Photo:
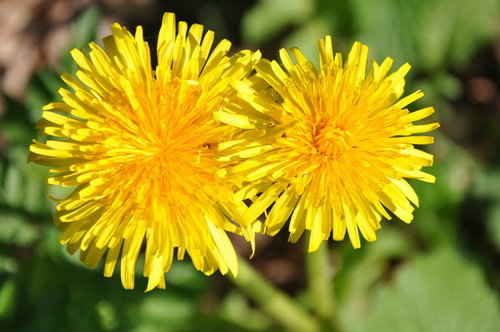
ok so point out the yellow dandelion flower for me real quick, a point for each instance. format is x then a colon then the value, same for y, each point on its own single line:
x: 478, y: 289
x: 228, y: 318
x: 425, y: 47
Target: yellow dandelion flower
x: 329, y: 149
x: 140, y: 146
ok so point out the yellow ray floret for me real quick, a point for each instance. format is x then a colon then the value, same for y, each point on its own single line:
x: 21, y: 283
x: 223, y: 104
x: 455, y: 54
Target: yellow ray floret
x: 139, y: 145
x: 330, y: 149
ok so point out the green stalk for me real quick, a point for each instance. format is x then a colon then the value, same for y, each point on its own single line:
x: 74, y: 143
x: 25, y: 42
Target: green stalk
x: 320, y: 280
x: 273, y: 301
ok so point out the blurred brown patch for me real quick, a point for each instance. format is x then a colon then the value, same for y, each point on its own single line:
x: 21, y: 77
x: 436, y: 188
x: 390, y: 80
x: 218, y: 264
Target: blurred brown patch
x: 481, y: 90
x: 32, y: 34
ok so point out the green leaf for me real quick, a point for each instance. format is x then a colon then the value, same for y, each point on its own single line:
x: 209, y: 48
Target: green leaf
x: 16, y: 125
x: 270, y: 17
x: 493, y: 225
x: 386, y: 29
x: 472, y: 31
x: 486, y: 184
x: 338, y: 15
x: 23, y: 187
x: 12, y: 191
x: 7, y: 298
x: 16, y: 230
x: 435, y: 292
x: 107, y: 315
x: 182, y: 274
x: 236, y: 309
x: 161, y: 310
x: 362, y: 269
x: 35, y: 197
x: 8, y: 264
x: 41, y: 90
x: 430, y: 34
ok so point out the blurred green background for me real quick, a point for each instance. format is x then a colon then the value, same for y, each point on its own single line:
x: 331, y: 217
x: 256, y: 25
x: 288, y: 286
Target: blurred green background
x: 440, y: 273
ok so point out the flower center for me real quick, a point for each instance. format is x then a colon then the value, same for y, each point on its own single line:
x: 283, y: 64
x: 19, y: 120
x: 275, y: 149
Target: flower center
x: 332, y: 140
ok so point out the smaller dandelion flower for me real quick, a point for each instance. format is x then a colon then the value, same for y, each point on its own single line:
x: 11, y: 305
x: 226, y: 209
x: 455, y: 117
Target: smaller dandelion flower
x: 328, y: 149
x: 140, y: 146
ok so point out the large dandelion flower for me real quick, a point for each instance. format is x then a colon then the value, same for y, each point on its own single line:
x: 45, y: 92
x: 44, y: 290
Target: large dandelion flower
x: 329, y: 149
x: 140, y: 146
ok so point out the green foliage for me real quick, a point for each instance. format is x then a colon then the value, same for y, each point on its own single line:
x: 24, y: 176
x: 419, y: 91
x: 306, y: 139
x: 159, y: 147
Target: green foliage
x: 236, y: 309
x: 84, y: 32
x: 362, y: 269
x: 386, y: 285
x: 494, y: 225
x: 436, y: 218
x: 429, y: 34
x: 486, y: 192
x: 42, y: 89
x: 263, y: 22
x: 435, y: 292
x: 7, y: 298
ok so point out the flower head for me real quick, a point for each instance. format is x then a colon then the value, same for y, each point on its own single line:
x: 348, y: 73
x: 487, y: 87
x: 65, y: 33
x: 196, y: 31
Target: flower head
x: 139, y: 143
x: 329, y: 148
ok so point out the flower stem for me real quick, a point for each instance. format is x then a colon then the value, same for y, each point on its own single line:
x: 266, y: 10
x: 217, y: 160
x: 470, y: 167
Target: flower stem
x: 320, y: 279
x: 273, y: 301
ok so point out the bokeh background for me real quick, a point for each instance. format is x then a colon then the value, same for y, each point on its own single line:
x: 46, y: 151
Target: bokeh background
x: 440, y: 273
